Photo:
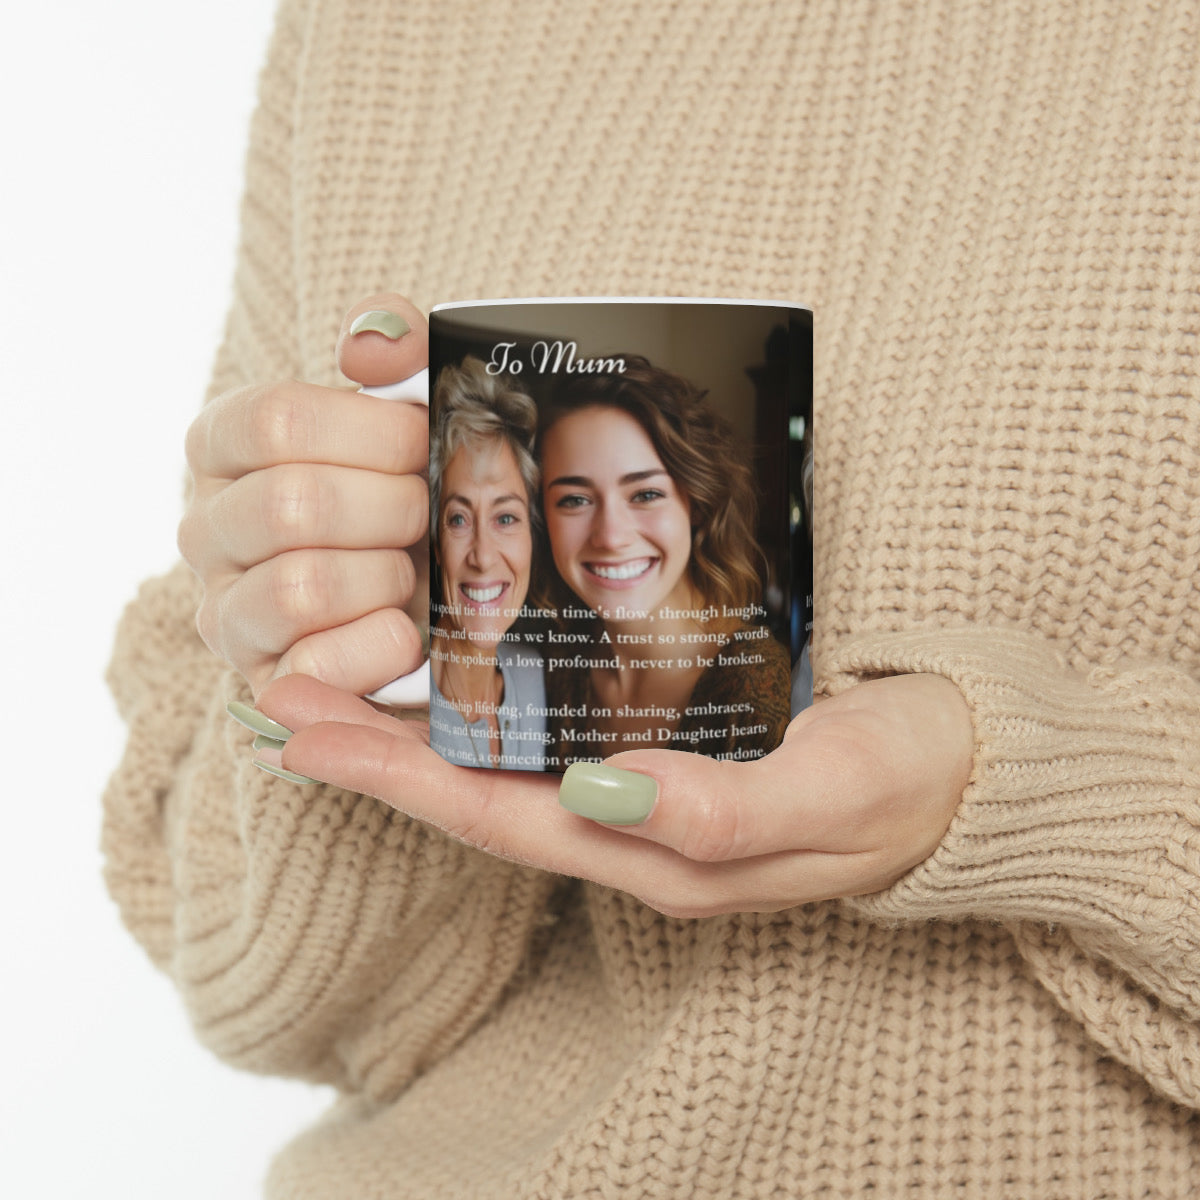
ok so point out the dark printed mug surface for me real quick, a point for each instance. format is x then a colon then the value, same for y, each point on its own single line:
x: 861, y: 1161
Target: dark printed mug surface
x: 619, y: 528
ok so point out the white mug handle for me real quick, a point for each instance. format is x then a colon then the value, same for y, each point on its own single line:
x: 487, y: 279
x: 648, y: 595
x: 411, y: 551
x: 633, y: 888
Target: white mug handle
x: 409, y: 691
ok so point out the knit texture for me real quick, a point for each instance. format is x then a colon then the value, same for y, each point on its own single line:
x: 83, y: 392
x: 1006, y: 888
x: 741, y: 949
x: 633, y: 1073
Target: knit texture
x: 995, y: 211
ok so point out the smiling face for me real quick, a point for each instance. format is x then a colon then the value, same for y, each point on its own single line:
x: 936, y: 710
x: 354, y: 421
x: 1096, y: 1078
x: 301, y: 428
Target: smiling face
x: 484, y: 543
x: 619, y: 525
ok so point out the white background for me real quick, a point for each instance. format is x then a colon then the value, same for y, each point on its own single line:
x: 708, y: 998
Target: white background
x: 122, y: 133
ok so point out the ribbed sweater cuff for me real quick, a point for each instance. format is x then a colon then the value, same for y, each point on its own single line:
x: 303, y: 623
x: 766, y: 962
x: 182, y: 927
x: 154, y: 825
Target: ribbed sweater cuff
x: 1084, y: 800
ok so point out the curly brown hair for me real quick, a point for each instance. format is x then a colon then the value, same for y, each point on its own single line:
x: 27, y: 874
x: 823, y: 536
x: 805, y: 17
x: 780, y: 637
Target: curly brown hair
x: 700, y: 452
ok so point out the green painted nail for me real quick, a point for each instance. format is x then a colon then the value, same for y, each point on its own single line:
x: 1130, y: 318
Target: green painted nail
x: 283, y: 773
x: 262, y: 742
x: 607, y: 794
x: 243, y: 714
x: 379, y: 320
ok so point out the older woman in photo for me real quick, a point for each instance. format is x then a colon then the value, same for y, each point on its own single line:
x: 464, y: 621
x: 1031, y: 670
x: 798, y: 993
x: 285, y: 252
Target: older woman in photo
x: 486, y: 699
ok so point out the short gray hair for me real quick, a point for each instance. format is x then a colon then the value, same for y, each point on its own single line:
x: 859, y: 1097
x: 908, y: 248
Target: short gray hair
x: 472, y: 406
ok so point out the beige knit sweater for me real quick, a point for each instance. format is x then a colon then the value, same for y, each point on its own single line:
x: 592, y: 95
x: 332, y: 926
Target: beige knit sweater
x: 995, y: 210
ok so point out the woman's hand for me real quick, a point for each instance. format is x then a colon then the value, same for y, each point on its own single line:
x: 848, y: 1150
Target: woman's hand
x: 862, y: 789
x: 303, y: 500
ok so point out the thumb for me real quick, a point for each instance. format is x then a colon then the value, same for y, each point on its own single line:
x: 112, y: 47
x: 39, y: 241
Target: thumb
x: 706, y: 809
x: 383, y: 340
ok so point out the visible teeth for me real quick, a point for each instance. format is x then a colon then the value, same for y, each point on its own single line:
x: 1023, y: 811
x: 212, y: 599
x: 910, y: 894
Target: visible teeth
x: 627, y: 570
x: 483, y: 595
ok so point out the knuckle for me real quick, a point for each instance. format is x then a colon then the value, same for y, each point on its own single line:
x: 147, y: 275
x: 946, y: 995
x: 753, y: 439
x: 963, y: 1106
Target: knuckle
x: 221, y: 624
x: 198, y: 540
x: 195, y: 444
x: 483, y: 826
x: 414, y: 510
x: 187, y: 536
x: 293, y: 502
x: 208, y: 624
x: 300, y: 590
x: 412, y: 438
x: 320, y: 656
x: 406, y: 576
x: 476, y: 830
x: 476, y: 833
x: 397, y: 638
x: 714, y: 829
x: 277, y: 426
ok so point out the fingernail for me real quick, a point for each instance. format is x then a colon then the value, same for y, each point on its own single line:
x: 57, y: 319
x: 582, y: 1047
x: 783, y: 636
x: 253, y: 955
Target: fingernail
x: 243, y: 714
x: 607, y: 794
x: 262, y: 742
x: 283, y: 773
x: 379, y: 320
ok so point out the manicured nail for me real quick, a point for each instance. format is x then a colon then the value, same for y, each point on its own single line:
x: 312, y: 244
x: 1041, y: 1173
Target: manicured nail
x: 379, y: 320
x: 283, y: 773
x: 243, y: 714
x: 607, y: 794
x: 262, y: 742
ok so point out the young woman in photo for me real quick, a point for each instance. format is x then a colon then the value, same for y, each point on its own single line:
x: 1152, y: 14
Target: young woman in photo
x: 649, y: 514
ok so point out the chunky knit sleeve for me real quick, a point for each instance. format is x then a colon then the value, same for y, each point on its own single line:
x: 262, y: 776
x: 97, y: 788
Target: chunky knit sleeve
x: 311, y: 932
x: 1080, y: 831
x: 1013, y: 502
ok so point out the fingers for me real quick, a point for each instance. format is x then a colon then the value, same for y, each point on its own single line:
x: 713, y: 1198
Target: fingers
x: 304, y: 499
x: 515, y: 815
x: 263, y: 612
x: 383, y: 339
x: 720, y: 837
x: 712, y: 810
x: 298, y: 701
x: 360, y: 656
x: 301, y: 506
x: 872, y: 776
x: 706, y: 809
x: 253, y: 428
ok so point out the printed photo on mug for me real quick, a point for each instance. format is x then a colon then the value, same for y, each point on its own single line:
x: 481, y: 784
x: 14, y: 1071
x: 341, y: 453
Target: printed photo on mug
x: 619, y: 530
